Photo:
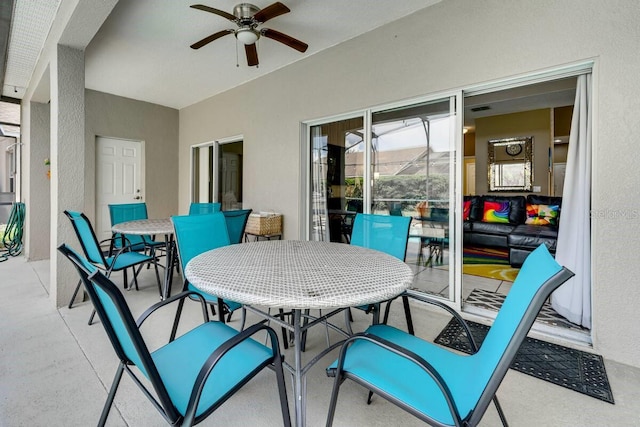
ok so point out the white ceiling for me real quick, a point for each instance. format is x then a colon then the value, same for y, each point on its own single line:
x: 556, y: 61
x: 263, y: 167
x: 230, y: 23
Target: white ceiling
x: 142, y: 51
x: 30, y: 25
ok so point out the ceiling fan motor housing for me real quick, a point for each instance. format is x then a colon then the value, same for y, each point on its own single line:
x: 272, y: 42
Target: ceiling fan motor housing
x: 244, y: 12
x: 248, y: 17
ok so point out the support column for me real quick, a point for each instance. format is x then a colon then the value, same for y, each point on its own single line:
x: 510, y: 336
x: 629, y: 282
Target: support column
x: 36, y: 186
x: 67, y: 163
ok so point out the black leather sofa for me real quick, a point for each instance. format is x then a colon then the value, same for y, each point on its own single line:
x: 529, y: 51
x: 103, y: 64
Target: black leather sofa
x: 516, y: 236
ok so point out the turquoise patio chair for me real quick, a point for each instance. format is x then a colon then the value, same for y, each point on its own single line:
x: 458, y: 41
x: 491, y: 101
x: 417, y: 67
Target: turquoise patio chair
x: 190, y: 377
x: 120, y: 260
x: 236, y: 223
x: 194, y: 235
x: 124, y: 212
x: 204, y: 208
x: 440, y: 386
x: 388, y: 234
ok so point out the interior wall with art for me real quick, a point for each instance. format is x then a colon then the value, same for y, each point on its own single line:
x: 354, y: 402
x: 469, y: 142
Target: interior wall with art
x: 536, y: 123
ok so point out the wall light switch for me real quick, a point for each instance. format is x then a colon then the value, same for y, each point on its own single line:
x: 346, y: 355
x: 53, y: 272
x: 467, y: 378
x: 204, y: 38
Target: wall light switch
x: 537, y: 189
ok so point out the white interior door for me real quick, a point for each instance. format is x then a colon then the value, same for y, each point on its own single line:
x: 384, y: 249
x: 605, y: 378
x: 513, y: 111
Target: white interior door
x: 118, y: 178
x: 470, y: 175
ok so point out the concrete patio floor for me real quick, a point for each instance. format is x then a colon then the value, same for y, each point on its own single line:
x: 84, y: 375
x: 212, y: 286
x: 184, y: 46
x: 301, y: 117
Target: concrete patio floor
x: 55, y: 370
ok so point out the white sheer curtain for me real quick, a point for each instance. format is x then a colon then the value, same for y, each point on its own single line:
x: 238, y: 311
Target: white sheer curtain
x: 573, y: 299
x: 319, y: 222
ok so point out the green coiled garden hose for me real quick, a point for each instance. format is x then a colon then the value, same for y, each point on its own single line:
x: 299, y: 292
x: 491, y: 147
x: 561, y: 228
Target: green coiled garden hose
x: 12, y: 238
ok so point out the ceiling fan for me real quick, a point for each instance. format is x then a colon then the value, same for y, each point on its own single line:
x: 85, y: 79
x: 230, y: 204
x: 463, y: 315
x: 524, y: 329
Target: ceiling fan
x: 248, y: 18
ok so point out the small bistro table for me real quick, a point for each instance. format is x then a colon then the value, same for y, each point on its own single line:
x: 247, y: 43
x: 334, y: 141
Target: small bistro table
x: 148, y: 227
x: 299, y: 275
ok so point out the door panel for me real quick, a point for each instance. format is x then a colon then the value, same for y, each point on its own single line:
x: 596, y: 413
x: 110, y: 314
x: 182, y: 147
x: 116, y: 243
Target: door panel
x: 118, y: 180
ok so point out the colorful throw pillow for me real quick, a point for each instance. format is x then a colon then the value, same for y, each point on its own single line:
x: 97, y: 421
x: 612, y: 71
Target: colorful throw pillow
x: 466, y: 210
x: 496, y: 212
x: 542, y: 214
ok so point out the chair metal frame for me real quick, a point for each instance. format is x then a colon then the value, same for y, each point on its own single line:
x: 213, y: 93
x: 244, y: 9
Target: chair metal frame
x: 108, y: 262
x: 217, y: 225
x: 541, y: 276
x: 124, y: 333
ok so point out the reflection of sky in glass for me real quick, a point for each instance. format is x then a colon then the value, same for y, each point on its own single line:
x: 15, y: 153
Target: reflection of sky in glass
x: 411, y: 134
x: 396, y: 135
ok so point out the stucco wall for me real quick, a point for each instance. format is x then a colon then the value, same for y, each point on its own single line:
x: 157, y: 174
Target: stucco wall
x: 38, y: 211
x: 457, y: 44
x: 117, y: 117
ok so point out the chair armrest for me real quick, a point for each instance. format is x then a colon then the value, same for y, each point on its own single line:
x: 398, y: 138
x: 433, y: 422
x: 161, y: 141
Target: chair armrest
x: 451, y: 311
x: 407, y: 354
x: 176, y: 297
x: 217, y: 355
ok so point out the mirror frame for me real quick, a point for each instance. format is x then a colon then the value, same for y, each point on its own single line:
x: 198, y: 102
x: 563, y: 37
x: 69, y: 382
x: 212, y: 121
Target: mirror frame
x: 501, y: 152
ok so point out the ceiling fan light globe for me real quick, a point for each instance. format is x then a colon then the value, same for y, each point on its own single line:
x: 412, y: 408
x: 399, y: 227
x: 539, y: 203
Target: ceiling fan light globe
x: 247, y: 36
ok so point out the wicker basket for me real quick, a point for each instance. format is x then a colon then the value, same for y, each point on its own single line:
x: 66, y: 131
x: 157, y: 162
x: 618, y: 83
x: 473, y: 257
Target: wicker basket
x: 263, y: 224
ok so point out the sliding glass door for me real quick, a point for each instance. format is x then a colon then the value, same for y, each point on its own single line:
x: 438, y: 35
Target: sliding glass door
x: 336, y: 178
x: 216, y: 173
x: 396, y: 160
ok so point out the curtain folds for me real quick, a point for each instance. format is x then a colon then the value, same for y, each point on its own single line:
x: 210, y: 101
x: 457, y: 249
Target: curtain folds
x: 573, y: 299
x: 320, y: 221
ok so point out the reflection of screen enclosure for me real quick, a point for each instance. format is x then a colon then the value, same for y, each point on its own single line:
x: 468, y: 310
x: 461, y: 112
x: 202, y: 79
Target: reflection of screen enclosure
x: 407, y: 154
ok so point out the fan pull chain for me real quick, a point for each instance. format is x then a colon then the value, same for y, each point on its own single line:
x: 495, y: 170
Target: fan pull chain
x: 237, y: 60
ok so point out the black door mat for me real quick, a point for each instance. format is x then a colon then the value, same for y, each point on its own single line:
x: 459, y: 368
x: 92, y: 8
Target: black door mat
x: 574, y: 369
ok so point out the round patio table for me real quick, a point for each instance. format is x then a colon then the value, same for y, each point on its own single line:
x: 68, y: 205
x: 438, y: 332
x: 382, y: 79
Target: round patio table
x: 299, y: 275
x: 148, y: 227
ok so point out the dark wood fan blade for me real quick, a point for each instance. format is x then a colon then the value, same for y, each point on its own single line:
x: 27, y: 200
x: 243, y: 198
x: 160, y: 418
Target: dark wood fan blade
x: 285, y: 39
x: 209, y: 39
x: 218, y: 12
x: 271, y: 11
x: 252, y: 54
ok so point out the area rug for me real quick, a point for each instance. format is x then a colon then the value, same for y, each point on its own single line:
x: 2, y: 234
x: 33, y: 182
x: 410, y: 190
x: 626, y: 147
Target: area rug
x: 492, y: 301
x: 488, y: 262
x: 573, y: 369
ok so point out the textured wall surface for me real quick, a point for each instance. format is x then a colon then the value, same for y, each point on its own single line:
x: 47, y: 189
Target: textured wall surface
x: 455, y: 45
x: 157, y: 126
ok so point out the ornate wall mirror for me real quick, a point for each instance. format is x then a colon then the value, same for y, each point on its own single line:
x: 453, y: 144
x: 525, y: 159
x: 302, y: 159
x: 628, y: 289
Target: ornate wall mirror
x: 510, y: 164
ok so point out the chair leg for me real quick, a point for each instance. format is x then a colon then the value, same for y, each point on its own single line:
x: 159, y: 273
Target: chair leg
x: 135, y: 277
x: 112, y: 394
x: 174, y: 329
x: 282, y: 391
x: 285, y: 332
x: 407, y: 314
x: 347, y: 320
x: 243, y: 319
x: 155, y: 265
x: 93, y: 314
x: 213, y: 313
x: 503, y: 419
x: 75, y: 293
x: 334, y: 399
